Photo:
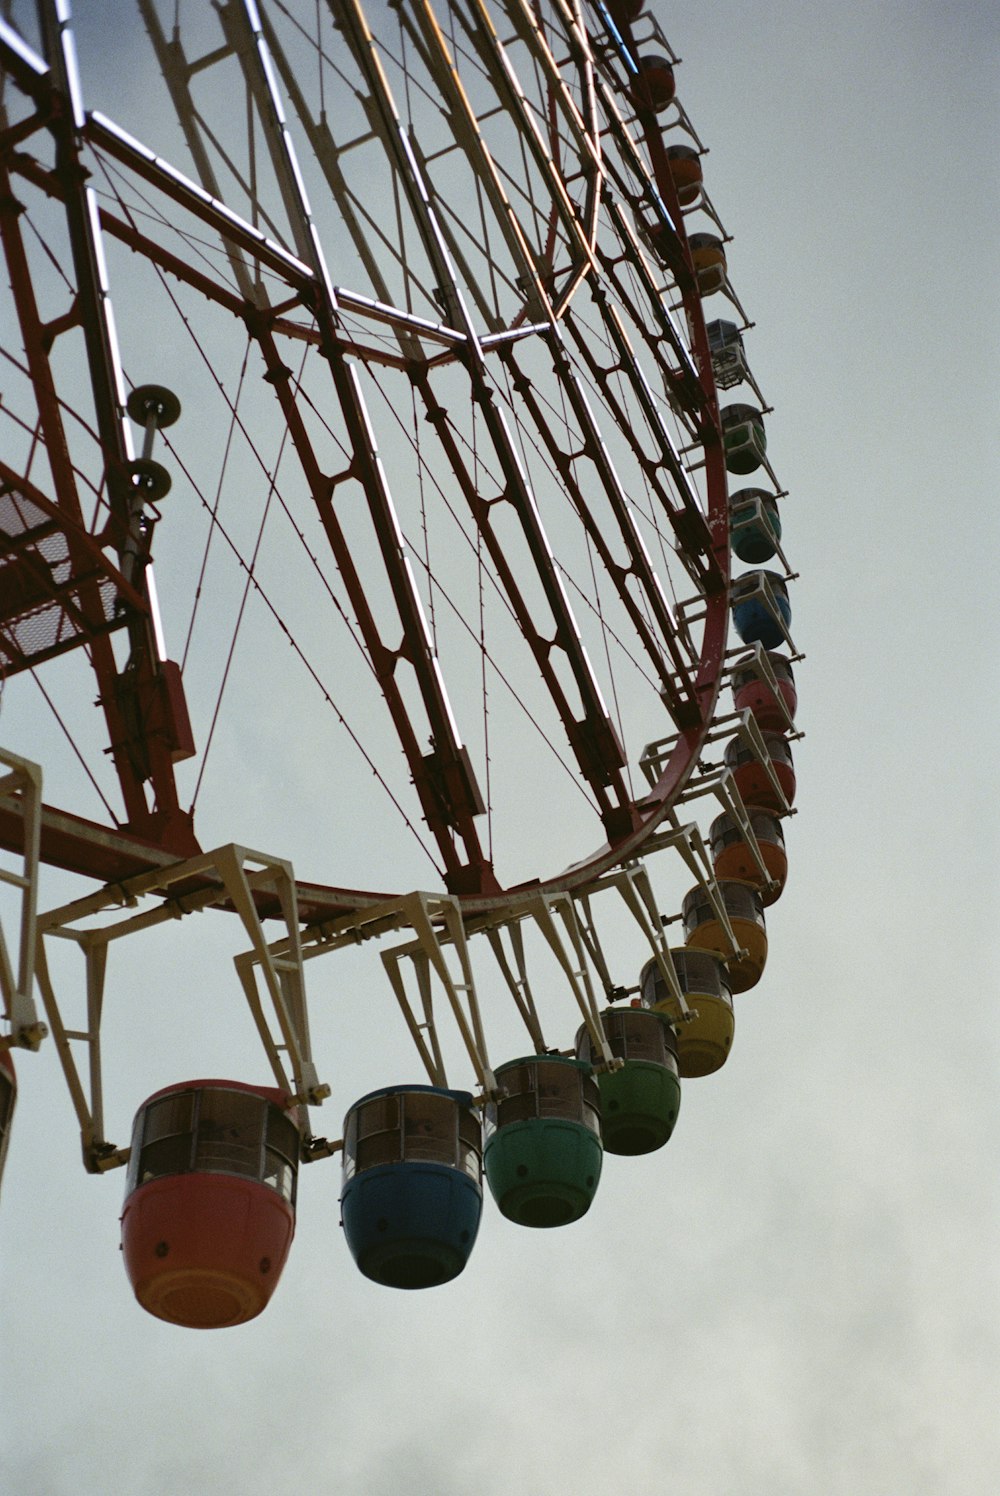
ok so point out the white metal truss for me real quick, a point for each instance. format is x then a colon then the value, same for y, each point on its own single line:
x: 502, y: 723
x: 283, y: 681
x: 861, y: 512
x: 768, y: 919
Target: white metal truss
x: 571, y: 952
x: 21, y: 787
x: 257, y: 886
x: 719, y: 780
x: 635, y: 889
x: 436, y: 922
x: 439, y: 953
x: 438, y: 950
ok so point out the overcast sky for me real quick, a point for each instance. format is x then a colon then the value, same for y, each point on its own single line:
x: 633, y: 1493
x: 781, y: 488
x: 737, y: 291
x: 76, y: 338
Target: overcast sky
x: 799, y: 1296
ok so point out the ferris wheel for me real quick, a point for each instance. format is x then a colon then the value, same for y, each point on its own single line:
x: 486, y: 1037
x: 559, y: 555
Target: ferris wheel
x: 363, y: 459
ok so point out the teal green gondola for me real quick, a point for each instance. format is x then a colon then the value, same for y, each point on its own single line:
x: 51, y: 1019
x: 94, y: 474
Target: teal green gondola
x: 543, y: 1140
x: 639, y: 1101
x: 413, y: 1195
x: 754, y: 524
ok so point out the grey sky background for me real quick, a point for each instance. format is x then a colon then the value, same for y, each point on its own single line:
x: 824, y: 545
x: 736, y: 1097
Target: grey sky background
x: 799, y: 1295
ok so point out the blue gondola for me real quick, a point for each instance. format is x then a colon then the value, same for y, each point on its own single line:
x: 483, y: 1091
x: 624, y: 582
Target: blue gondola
x: 762, y: 613
x: 413, y: 1195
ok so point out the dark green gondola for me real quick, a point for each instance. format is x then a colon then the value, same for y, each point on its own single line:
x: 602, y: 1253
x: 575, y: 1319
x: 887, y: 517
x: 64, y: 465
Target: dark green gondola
x: 543, y: 1140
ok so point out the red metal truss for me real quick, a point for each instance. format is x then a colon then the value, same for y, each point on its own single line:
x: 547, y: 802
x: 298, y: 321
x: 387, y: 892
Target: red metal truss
x: 63, y: 586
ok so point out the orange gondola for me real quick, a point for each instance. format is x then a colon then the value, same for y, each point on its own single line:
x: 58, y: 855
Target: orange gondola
x: 704, y: 930
x: 755, y: 777
x: 733, y: 859
x: 685, y: 169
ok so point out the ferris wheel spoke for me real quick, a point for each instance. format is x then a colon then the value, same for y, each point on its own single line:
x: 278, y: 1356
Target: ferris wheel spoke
x: 443, y: 777
x: 628, y: 274
x: 359, y: 223
x: 583, y: 131
x: 636, y: 565
x: 133, y: 695
x: 245, y: 36
x: 469, y: 138
x: 504, y: 76
x: 104, y: 135
x: 660, y: 459
x: 403, y: 157
x: 463, y: 244
x: 177, y: 73
x: 588, y: 727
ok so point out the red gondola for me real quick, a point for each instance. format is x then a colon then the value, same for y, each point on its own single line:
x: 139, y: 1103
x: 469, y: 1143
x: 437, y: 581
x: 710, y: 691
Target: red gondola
x: 752, y: 691
x: 210, y: 1201
x: 624, y: 12
x: 654, y: 84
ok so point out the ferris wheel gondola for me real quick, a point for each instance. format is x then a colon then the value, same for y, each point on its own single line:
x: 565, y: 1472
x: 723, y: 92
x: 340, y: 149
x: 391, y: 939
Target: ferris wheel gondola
x: 428, y: 510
